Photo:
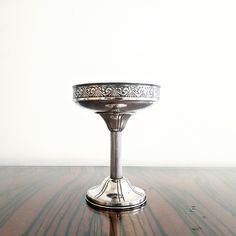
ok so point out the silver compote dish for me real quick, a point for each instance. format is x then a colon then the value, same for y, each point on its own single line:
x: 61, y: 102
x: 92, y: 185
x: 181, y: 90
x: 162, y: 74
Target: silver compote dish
x: 115, y: 103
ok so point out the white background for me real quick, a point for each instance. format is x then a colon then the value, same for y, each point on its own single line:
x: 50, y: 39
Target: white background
x: 186, y: 46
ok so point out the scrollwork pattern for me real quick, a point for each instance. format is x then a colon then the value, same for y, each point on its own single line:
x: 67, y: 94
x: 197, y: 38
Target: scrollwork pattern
x: 115, y: 90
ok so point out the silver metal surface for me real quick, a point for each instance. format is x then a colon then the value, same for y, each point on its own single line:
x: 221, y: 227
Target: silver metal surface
x: 120, y: 97
x: 116, y: 162
x: 115, y: 103
x: 115, y: 194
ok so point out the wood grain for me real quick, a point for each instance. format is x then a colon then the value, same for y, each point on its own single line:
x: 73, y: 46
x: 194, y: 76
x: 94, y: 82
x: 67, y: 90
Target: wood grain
x: 181, y: 202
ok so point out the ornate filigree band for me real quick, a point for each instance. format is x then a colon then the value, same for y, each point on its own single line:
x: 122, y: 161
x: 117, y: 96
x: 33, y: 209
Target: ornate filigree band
x: 119, y: 90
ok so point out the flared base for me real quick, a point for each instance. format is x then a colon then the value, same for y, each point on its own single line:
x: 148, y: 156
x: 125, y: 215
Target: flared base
x: 116, y: 194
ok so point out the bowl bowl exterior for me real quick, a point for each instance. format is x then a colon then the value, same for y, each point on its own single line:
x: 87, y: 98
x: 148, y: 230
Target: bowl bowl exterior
x: 116, y: 97
x: 121, y: 91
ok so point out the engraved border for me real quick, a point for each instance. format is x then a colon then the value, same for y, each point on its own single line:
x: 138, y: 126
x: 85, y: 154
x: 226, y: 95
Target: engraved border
x: 105, y: 91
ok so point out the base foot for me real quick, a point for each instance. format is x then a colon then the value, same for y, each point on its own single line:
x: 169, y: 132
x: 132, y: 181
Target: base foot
x: 116, y: 194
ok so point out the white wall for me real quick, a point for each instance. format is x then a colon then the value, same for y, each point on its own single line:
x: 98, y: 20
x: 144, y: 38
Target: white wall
x: 187, y: 46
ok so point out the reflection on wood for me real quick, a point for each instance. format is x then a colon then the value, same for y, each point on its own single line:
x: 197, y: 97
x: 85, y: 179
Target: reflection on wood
x: 181, y: 201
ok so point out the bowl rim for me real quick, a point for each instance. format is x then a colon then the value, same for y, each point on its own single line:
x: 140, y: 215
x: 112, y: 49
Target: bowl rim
x: 116, y: 83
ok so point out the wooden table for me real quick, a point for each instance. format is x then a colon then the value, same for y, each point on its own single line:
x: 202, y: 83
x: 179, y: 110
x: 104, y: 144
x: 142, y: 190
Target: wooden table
x: 181, y: 202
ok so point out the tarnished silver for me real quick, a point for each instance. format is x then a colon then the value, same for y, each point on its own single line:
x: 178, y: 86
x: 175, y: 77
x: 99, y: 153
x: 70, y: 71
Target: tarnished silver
x: 115, y: 103
x: 116, y: 162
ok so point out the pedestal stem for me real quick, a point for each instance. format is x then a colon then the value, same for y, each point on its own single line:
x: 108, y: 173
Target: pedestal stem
x: 116, y: 162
